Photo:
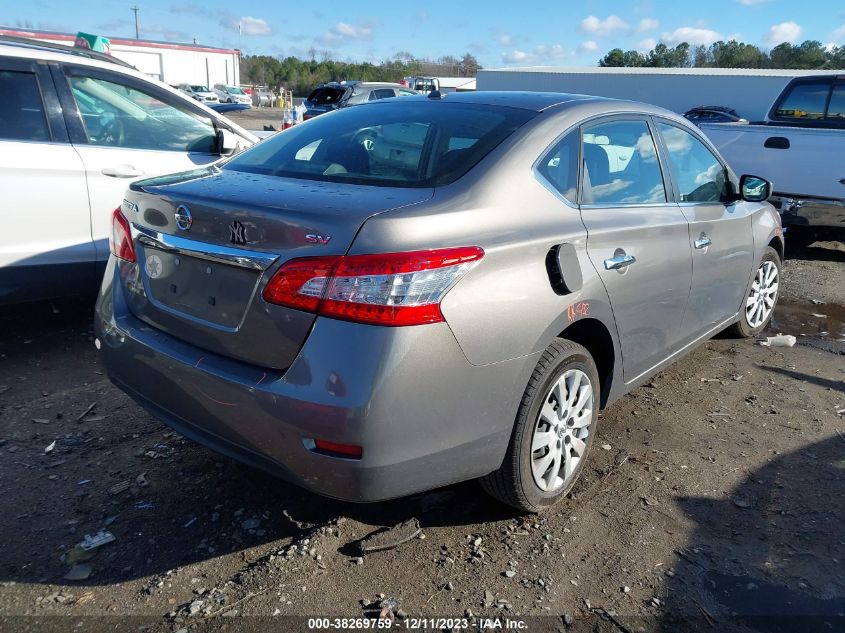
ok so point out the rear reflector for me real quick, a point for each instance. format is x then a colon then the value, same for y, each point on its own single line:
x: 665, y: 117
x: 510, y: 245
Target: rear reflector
x: 120, y: 240
x: 392, y: 289
x: 341, y: 450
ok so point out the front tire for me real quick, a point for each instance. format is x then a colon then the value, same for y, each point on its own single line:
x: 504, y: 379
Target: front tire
x: 759, y: 304
x: 553, y: 432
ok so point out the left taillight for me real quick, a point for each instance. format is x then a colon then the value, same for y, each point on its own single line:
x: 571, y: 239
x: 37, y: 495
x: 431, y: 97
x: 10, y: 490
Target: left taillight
x: 393, y: 289
x: 120, y: 241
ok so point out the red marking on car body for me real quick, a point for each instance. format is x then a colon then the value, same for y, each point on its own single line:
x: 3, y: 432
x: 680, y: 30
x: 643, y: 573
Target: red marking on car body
x: 578, y: 310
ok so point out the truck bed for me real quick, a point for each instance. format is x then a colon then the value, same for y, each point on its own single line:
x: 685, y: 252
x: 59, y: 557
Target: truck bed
x: 801, y: 162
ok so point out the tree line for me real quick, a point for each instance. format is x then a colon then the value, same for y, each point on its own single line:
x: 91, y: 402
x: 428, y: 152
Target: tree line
x: 810, y: 55
x: 303, y: 75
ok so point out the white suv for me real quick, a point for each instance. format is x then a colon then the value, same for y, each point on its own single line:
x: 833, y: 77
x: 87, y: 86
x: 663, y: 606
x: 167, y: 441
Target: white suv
x: 231, y: 94
x: 199, y: 92
x: 75, y: 128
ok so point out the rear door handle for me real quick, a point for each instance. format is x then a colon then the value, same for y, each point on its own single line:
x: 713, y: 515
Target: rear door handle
x: 620, y: 261
x: 122, y: 171
x: 702, y: 242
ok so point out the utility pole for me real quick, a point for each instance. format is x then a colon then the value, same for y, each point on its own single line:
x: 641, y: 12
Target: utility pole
x: 135, y: 11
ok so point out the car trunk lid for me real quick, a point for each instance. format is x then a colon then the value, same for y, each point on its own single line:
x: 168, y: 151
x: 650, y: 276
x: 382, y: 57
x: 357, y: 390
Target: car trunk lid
x: 206, y: 246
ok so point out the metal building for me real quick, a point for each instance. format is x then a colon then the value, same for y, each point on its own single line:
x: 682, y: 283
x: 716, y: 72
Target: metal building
x: 750, y: 92
x: 170, y: 62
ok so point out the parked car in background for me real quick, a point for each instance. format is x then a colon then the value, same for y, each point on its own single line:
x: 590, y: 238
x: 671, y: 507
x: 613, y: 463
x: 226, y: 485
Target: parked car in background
x: 714, y: 114
x: 199, y: 92
x: 223, y: 108
x: 334, y: 95
x: 387, y: 323
x: 231, y: 94
x: 263, y: 98
x: 75, y: 128
x: 800, y: 147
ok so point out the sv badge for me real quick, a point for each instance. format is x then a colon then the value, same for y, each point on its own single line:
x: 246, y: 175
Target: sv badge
x: 313, y: 238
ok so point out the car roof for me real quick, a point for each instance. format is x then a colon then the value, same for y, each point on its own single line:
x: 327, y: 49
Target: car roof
x: 36, y: 49
x: 535, y: 101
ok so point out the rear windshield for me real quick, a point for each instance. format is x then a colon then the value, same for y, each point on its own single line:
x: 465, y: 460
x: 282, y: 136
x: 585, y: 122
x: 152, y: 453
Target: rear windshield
x: 322, y: 96
x: 804, y: 101
x: 422, y: 144
x: 199, y: 88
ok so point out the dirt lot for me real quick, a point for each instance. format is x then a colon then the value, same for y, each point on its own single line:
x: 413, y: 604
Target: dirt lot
x: 714, y: 500
x: 257, y: 118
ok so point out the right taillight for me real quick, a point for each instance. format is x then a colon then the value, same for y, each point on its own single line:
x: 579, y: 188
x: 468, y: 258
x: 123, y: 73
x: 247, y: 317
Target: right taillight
x: 120, y: 241
x: 393, y: 289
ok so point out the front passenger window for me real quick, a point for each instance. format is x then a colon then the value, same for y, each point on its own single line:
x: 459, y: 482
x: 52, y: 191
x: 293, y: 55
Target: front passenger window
x: 701, y: 177
x: 118, y: 115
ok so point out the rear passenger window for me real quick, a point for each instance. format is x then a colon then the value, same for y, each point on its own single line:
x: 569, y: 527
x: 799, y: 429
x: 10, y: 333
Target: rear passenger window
x: 21, y: 110
x: 560, y: 167
x: 804, y: 101
x: 699, y: 174
x: 620, y: 161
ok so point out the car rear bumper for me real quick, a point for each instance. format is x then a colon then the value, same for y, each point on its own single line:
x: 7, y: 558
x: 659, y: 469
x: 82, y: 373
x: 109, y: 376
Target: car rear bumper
x: 424, y: 416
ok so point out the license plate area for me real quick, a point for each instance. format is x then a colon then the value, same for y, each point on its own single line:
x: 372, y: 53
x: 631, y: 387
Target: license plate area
x: 209, y: 291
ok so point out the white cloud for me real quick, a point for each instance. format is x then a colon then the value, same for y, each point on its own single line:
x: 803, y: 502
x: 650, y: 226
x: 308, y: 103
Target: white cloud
x: 784, y: 32
x: 254, y: 26
x: 518, y: 57
x: 505, y: 39
x: 588, y: 46
x: 540, y: 53
x: 555, y: 51
x: 840, y: 33
x: 691, y: 35
x: 648, y: 24
x: 592, y: 25
x: 343, y: 32
x: 228, y: 20
x: 644, y: 46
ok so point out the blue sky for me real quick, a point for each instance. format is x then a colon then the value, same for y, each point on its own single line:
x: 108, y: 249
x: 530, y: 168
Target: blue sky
x: 498, y: 33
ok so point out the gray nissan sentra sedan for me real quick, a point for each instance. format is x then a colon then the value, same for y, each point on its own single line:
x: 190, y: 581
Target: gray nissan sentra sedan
x: 416, y: 292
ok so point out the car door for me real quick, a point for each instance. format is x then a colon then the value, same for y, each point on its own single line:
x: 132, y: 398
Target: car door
x: 125, y: 128
x: 719, y: 229
x: 637, y: 238
x: 45, y: 222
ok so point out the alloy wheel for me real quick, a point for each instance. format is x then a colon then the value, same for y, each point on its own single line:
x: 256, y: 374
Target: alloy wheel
x: 559, y: 442
x: 764, y: 291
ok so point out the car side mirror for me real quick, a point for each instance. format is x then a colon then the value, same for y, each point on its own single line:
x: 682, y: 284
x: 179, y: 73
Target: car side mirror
x: 754, y: 188
x: 227, y: 142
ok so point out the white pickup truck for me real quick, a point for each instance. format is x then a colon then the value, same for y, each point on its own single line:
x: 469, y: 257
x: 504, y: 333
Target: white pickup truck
x: 799, y: 148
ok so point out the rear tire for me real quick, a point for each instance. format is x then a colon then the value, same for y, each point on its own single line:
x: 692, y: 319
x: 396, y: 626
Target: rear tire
x: 762, y: 297
x: 553, y: 432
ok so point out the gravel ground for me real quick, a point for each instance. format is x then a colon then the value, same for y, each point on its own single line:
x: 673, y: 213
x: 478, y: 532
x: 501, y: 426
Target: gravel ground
x: 713, y: 501
x: 257, y: 118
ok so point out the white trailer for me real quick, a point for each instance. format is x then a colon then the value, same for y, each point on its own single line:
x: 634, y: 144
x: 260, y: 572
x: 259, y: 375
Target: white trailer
x: 169, y: 62
x: 750, y: 92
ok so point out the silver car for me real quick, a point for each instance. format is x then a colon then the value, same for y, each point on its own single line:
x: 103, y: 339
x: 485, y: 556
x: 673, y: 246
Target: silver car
x: 421, y: 291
